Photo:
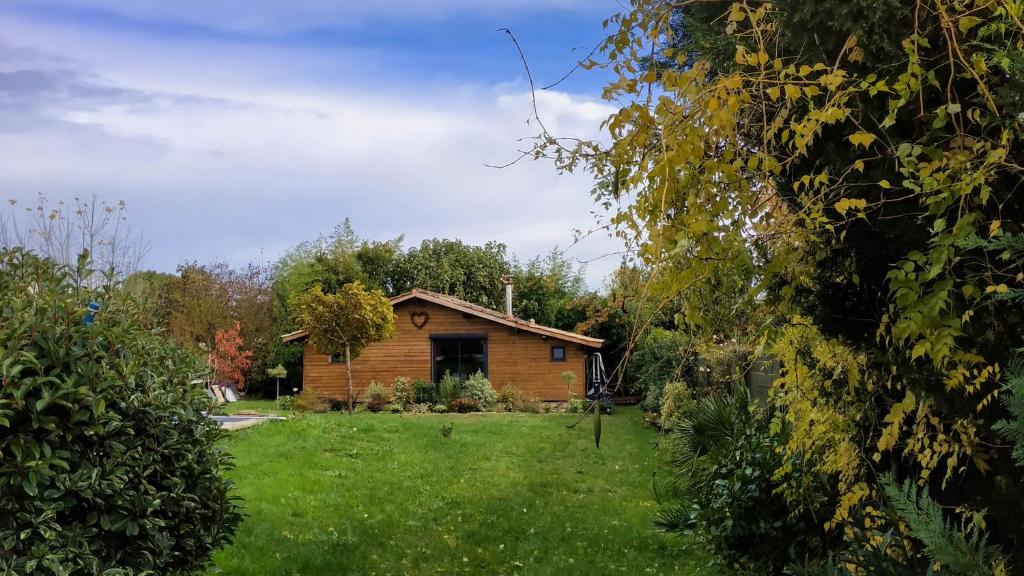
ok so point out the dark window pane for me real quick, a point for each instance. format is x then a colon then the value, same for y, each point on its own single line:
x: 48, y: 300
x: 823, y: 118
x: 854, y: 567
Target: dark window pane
x: 558, y: 353
x: 460, y: 357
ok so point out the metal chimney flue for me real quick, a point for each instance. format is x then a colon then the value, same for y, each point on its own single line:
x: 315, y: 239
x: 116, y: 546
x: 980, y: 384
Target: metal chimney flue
x: 507, y: 281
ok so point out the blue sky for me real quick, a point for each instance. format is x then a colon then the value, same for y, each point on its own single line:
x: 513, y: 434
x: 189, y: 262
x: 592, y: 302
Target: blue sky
x: 235, y: 129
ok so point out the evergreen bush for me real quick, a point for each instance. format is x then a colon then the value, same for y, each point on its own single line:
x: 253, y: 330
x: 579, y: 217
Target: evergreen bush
x: 110, y: 465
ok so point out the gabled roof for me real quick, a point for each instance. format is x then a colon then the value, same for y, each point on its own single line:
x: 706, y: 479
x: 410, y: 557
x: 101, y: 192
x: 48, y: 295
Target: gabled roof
x: 480, y: 312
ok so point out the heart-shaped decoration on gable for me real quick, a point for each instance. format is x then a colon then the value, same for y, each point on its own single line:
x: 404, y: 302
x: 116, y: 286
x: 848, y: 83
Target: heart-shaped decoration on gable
x: 419, y: 318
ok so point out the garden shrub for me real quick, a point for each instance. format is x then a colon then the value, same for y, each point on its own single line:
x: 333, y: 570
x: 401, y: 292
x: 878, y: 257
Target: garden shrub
x: 439, y: 408
x: 674, y: 399
x: 287, y: 403
x: 424, y: 392
x: 727, y: 486
x: 479, y: 388
x: 110, y: 465
x: 577, y: 405
x: 310, y: 400
x: 376, y: 396
x: 401, y: 392
x: 463, y: 405
x: 662, y: 356
x: 510, y: 399
x: 450, y: 388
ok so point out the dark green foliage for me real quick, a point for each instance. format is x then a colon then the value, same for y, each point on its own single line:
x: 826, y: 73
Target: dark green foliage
x: 109, y: 465
x: 424, y: 392
x: 450, y: 267
x: 725, y: 458
x: 1013, y: 398
x: 663, y: 356
x: 449, y: 388
x: 545, y: 290
x: 943, y: 543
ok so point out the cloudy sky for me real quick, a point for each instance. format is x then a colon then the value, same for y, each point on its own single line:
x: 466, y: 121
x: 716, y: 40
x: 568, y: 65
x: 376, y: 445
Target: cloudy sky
x: 235, y: 129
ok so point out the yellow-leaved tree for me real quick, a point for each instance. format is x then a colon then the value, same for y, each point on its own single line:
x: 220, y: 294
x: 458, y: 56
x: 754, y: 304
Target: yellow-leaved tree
x: 344, y: 322
x: 861, y: 157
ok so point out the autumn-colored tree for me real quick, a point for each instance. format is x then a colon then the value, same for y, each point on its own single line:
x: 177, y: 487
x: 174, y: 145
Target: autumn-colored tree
x: 847, y: 160
x: 229, y: 359
x: 345, y: 322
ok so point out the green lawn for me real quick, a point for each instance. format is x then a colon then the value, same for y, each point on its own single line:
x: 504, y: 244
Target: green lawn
x: 380, y: 494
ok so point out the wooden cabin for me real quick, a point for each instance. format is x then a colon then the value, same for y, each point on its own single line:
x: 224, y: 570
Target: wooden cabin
x: 435, y: 333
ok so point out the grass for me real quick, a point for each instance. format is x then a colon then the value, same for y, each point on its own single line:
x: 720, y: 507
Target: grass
x: 383, y: 494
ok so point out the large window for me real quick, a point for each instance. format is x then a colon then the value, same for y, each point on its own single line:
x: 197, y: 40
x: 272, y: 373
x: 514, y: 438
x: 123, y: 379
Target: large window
x: 461, y: 355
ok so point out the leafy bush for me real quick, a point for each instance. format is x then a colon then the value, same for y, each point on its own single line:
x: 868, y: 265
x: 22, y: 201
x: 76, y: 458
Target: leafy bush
x: 109, y: 464
x: 675, y: 398
x: 662, y: 356
x: 287, y: 403
x: 463, y: 405
x: 393, y: 408
x: 577, y: 405
x: 376, y: 396
x: 401, y: 393
x: 510, y: 399
x: 446, y: 430
x: 479, y: 388
x: 310, y: 400
x: 450, y: 388
x: 424, y: 392
x: 726, y: 459
x: 439, y: 408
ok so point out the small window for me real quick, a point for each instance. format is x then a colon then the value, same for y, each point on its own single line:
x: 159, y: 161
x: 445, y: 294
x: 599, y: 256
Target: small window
x: 336, y: 359
x: 558, y: 353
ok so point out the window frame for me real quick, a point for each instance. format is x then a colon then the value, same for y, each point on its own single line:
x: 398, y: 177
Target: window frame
x: 459, y: 336
x: 558, y: 347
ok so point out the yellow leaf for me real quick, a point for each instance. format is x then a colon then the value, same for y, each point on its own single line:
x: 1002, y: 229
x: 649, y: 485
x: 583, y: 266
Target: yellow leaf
x: 999, y: 288
x: 968, y: 22
x: 859, y: 166
x: 862, y: 139
x: 845, y: 204
x: 993, y: 228
x: 792, y: 92
x: 885, y: 184
x: 773, y: 93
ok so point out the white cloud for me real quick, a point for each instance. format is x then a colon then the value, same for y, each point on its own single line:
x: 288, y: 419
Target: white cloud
x: 217, y: 165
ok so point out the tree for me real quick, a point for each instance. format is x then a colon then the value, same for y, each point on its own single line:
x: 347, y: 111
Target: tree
x: 545, y: 288
x: 346, y: 322
x: 842, y: 158
x: 450, y: 267
x: 229, y: 359
x: 199, y: 298
x: 277, y: 372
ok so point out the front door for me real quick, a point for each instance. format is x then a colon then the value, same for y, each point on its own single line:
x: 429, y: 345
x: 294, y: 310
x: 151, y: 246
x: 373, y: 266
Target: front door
x: 459, y: 355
